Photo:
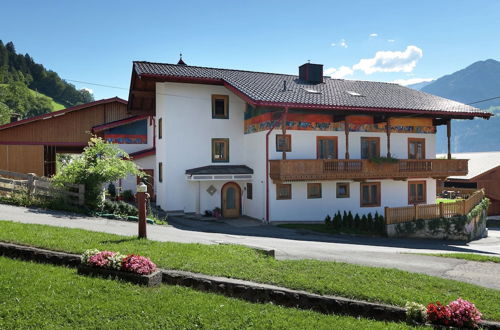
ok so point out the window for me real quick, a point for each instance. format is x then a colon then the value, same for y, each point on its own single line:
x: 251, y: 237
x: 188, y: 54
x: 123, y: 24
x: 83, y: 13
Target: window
x: 249, y: 191
x: 284, y: 142
x: 370, y: 194
x: 370, y: 147
x: 416, y: 192
x: 284, y: 191
x: 313, y: 190
x: 416, y: 148
x: 220, y: 106
x: 220, y: 150
x: 160, y: 128
x: 326, y: 147
x: 160, y: 172
x: 342, y: 190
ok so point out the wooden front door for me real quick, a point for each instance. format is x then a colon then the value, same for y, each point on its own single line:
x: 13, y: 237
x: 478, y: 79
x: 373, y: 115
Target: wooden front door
x: 231, y: 200
x: 149, y: 181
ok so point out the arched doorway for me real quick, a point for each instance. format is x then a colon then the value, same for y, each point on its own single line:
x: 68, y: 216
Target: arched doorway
x: 231, y: 200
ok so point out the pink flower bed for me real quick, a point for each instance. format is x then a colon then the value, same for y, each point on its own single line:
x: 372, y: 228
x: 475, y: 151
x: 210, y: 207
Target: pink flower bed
x: 464, y: 314
x: 138, y: 264
x: 114, y: 260
x: 459, y: 313
x: 101, y: 259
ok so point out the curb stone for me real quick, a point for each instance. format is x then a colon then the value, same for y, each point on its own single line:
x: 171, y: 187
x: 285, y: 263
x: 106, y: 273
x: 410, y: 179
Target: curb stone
x: 246, y: 290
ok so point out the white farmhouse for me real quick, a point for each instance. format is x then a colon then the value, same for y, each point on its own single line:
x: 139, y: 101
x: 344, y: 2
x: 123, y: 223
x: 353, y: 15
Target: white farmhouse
x: 281, y: 147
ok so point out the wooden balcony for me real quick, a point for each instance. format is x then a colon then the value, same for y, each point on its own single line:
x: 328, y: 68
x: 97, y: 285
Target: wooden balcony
x: 363, y: 169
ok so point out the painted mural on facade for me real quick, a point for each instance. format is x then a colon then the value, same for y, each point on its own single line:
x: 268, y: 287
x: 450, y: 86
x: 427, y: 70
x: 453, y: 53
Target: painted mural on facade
x: 257, y: 119
x: 133, y: 133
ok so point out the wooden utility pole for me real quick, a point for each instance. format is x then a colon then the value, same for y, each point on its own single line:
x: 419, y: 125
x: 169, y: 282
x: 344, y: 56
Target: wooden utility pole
x: 141, y: 205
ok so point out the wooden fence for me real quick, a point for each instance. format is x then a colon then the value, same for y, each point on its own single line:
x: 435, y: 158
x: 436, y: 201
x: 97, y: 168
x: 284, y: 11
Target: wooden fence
x: 32, y: 185
x: 395, y: 215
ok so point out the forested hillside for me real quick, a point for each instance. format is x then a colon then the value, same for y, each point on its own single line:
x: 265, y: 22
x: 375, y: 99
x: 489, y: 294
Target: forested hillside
x: 28, y: 89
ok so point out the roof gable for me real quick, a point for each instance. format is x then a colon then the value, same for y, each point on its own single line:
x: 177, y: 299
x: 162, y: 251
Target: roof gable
x: 61, y: 112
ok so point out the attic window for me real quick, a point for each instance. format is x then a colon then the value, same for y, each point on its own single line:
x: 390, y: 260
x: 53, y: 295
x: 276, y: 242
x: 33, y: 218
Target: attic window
x: 354, y: 93
x: 310, y: 90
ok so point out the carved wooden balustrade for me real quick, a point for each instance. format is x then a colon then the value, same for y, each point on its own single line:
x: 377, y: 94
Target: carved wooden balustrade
x: 363, y: 169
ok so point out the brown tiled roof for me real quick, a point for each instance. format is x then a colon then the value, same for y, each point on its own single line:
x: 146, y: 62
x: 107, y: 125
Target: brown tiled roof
x: 262, y: 87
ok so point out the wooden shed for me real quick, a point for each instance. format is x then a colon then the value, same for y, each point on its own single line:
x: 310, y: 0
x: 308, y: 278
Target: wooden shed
x: 484, y: 172
x: 31, y: 145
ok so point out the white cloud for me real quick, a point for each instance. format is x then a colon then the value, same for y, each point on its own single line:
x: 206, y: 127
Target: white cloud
x: 374, y: 35
x: 88, y: 90
x: 391, y: 61
x: 411, y: 81
x: 342, y: 43
x: 339, y: 73
x: 391, y: 40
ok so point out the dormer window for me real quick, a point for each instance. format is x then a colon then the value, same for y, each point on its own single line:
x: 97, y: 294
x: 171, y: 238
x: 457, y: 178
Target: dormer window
x: 220, y: 106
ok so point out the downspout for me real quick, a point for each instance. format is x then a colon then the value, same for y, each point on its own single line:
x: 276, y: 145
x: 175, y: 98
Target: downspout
x: 276, y: 123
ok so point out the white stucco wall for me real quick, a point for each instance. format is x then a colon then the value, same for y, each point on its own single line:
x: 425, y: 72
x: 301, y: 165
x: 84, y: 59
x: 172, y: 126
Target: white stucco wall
x: 300, y: 208
x: 188, y: 130
x: 130, y: 182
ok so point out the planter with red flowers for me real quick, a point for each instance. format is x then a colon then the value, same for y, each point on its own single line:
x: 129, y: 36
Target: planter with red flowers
x: 458, y: 314
x: 132, y: 268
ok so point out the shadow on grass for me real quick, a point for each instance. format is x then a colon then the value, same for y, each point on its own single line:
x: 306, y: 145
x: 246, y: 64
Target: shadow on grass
x: 123, y: 240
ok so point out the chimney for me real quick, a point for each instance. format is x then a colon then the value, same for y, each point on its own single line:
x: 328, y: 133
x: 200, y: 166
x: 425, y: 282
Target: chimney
x: 311, y: 73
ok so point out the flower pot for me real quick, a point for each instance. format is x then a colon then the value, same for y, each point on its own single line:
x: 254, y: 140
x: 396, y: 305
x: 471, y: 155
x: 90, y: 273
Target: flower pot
x: 153, y: 279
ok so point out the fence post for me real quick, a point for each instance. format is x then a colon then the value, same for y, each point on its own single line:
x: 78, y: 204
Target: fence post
x: 463, y: 207
x: 386, y: 215
x: 441, y: 209
x: 81, y: 194
x: 415, y: 213
x: 31, y: 184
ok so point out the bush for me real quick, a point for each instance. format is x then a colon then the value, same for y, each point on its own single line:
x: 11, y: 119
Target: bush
x: 112, y: 190
x: 328, y: 220
x: 128, y: 195
x: 100, y: 163
x: 120, y: 208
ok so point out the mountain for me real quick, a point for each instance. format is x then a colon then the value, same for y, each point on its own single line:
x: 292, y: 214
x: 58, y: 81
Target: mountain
x: 478, y: 81
x: 28, y: 89
x: 419, y: 86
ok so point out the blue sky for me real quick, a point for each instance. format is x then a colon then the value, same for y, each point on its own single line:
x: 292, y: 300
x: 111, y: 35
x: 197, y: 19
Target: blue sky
x: 96, y: 41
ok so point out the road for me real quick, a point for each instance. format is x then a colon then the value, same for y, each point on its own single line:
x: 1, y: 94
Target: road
x: 298, y: 244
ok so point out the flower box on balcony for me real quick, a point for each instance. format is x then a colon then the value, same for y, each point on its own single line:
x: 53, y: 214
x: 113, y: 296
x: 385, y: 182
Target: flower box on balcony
x: 153, y: 279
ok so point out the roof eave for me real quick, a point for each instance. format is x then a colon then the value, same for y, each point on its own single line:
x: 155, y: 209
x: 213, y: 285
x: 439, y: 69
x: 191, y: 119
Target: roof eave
x: 250, y: 100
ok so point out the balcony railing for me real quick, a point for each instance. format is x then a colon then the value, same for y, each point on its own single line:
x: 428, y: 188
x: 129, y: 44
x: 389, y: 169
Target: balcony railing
x: 363, y: 169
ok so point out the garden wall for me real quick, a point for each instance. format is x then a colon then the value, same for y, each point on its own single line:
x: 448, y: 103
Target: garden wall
x: 460, y: 228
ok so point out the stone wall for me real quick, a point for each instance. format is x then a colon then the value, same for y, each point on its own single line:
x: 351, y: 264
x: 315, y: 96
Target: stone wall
x: 459, y: 228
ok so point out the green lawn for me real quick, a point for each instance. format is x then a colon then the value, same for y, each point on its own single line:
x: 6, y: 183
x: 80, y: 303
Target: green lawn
x: 466, y: 256
x: 34, y: 296
x: 369, y: 283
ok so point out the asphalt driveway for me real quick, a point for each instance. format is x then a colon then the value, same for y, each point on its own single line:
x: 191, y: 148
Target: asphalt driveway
x: 297, y: 244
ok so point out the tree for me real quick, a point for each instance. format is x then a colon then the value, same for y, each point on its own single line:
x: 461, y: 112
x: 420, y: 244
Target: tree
x: 100, y: 163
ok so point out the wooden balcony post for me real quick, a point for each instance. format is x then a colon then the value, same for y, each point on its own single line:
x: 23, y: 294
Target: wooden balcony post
x: 388, y: 131
x: 448, y: 134
x: 346, y: 130
x: 283, y: 129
